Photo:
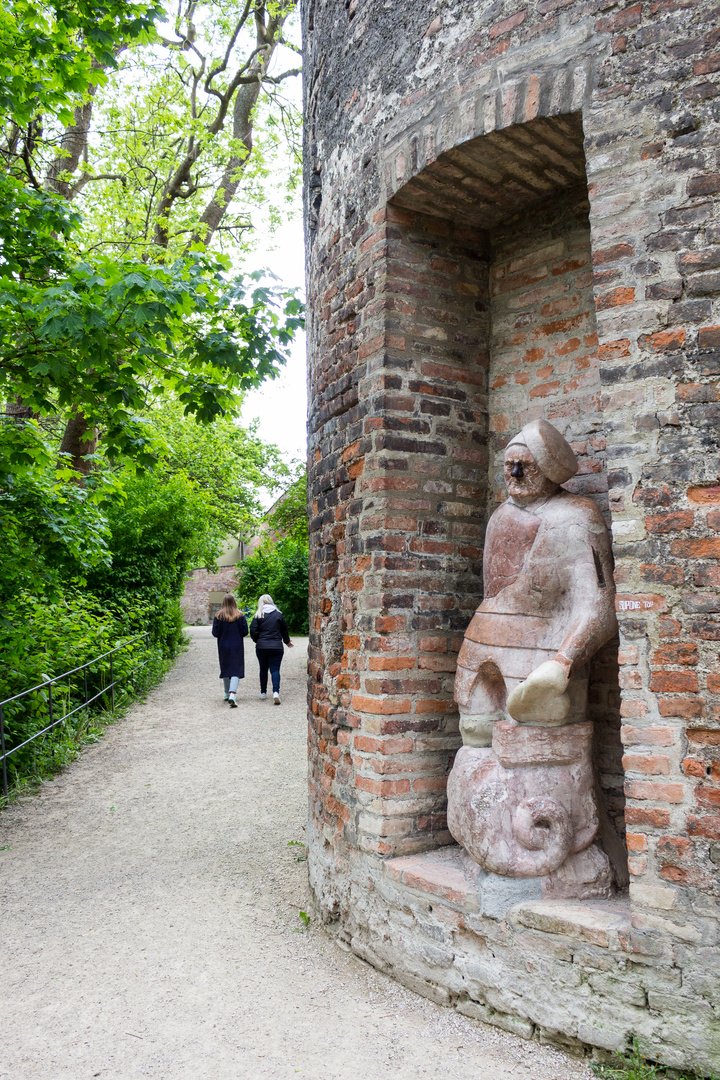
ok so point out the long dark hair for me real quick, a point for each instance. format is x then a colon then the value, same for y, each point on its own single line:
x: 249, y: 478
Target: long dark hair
x: 229, y: 612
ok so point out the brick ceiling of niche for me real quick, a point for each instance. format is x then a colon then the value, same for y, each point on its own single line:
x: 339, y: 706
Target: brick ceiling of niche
x: 496, y: 175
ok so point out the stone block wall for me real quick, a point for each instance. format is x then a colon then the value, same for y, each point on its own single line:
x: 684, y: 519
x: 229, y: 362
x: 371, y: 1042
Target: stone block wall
x: 447, y: 147
x: 196, y: 600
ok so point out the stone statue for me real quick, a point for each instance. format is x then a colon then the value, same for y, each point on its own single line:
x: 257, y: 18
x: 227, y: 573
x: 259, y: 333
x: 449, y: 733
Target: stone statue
x: 521, y: 792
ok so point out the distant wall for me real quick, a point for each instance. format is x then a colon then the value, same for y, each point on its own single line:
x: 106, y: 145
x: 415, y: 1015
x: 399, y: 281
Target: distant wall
x: 196, y: 602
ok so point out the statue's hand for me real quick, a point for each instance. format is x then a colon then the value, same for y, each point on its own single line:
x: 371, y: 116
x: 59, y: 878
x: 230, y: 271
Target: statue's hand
x: 541, y: 696
x: 477, y: 728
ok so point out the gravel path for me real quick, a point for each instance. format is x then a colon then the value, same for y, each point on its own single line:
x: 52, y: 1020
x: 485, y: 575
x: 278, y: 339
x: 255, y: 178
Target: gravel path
x: 149, y: 911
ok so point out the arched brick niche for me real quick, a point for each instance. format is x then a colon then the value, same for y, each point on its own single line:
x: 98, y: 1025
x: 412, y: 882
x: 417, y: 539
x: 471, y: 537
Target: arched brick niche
x: 482, y: 277
x: 468, y: 170
x: 515, y: 203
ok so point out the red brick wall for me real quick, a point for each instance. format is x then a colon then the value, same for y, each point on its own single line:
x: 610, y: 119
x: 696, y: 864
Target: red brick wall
x: 394, y: 104
x: 544, y: 337
x: 396, y: 566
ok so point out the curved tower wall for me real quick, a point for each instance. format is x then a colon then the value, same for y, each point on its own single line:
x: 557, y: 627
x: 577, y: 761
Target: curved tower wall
x: 511, y: 211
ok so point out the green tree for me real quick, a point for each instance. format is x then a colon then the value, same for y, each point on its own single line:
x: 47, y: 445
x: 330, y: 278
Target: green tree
x: 289, y: 516
x: 158, y: 529
x: 51, y: 533
x: 281, y: 565
x: 53, y: 56
x: 185, y: 156
x: 105, y: 341
x: 280, y: 569
x: 230, y: 464
x: 96, y: 324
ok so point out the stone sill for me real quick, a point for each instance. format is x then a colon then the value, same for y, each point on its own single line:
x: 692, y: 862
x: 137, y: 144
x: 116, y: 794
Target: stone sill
x: 450, y: 876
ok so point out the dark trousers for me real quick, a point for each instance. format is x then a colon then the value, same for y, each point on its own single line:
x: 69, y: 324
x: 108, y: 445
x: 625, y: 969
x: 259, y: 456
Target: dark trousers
x: 269, y: 660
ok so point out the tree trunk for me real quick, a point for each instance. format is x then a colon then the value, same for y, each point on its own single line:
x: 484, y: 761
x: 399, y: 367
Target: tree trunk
x: 18, y: 410
x: 73, y: 144
x: 80, y: 439
x: 224, y: 193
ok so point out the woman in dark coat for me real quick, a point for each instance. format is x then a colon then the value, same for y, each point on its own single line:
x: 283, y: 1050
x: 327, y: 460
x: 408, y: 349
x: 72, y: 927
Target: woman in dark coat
x: 268, y: 630
x: 230, y: 627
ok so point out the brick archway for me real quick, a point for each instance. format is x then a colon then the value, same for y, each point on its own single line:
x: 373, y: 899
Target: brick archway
x: 486, y: 319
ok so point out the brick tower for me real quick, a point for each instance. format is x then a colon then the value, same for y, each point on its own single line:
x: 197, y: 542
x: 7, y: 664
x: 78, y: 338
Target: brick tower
x: 512, y: 212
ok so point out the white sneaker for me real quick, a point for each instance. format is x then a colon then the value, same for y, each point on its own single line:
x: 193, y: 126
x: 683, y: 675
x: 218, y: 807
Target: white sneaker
x: 233, y: 702
x: 276, y: 698
x: 263, y: 696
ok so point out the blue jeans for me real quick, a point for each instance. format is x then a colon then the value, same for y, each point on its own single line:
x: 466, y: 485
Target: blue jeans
x: 231, y: 685
x: 269, y: 659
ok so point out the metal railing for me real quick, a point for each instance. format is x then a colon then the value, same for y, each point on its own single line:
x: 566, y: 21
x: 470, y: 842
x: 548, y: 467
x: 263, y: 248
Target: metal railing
x: 48, y: 683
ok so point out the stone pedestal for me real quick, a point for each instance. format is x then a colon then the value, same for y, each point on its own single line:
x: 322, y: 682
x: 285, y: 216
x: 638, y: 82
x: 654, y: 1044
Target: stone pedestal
x: 525, y: 807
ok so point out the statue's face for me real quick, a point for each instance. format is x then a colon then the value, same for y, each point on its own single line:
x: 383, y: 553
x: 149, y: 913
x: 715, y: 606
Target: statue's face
x: 523, y: 479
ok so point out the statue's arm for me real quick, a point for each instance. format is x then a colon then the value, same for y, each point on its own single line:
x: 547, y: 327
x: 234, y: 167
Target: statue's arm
x: 489, y: 588
x: 591, y: 594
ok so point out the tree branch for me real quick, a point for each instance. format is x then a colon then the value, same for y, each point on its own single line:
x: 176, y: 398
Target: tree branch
x: 231, y: 45
x: 275, y: 79
x: 87, y: 178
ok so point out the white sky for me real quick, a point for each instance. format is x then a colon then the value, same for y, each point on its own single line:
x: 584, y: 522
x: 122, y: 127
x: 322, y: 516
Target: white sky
x: 281, y: 404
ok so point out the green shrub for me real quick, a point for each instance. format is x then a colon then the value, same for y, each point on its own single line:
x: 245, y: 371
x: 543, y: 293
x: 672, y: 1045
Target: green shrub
x: 158, y: 530
x: 282, y: 571
x: 52, y: 531
x: 635, y: 1066
x: 44, y: 638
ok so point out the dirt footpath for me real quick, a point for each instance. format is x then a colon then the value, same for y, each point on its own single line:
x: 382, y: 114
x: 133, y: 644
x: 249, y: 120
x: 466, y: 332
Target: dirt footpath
x: 149, y: 908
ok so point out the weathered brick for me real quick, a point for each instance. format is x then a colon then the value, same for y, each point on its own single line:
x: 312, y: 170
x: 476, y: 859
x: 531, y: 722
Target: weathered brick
x: 380, y: 706
x: 709, y: 337
x: 670, y: 522
x: 709, y: 184
x: 686, y: 707
x: 653, y: 764
x: 674, y: 682
x: 616, y: 298
x: 647, y: 736
x: 708, y: 827
x: 654, y: 791
x: 652, y: 817
x: 708, y: 797
x: 677, y: 653
x: 702, y: 548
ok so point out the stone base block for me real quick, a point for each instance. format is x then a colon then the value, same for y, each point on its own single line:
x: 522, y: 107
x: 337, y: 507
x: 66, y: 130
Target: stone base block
x: 577, y: 973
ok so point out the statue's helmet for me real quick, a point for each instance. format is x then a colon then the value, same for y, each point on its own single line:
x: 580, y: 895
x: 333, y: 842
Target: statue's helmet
x: 551, y: 451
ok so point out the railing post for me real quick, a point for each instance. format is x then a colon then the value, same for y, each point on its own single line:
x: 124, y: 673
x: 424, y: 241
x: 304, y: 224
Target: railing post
x: 112, y: 685
x: 2, y: 751
x: 52, y: 718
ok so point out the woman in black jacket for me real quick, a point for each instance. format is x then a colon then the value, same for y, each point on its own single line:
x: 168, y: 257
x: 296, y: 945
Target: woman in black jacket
x: 268, y: 630
x: 230, y: 627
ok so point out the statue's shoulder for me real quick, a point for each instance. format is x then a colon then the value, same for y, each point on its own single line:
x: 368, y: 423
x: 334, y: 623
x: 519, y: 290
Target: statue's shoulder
x: 501, y: 511
x: 505, y: 513
x: 568, y: 509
